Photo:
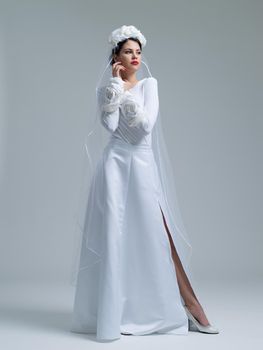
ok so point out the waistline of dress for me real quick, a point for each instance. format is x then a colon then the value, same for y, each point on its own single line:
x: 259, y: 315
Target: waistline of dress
x: 114, y: 141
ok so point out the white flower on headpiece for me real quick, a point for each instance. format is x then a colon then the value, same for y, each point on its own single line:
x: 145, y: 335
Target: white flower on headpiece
x: 125, y: 32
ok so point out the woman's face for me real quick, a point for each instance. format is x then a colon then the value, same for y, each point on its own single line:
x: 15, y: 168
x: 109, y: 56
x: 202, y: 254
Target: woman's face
x: 130, y: 52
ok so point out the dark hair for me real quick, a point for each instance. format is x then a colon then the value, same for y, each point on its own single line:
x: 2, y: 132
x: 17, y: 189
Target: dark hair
x: 120, y: 44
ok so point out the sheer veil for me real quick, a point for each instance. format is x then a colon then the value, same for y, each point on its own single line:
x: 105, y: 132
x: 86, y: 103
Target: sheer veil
x: 93, y: 146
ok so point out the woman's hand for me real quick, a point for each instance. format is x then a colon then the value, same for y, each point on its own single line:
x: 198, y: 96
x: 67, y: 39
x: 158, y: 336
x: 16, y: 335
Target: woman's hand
x: 116, y: 68
x: 116, y: 72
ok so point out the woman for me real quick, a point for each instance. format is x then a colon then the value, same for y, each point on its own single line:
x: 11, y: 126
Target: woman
x: 132, y: 274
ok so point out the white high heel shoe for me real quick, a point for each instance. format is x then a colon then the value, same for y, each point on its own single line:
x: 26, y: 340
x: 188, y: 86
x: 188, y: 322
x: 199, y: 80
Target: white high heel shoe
x: 195, y: 325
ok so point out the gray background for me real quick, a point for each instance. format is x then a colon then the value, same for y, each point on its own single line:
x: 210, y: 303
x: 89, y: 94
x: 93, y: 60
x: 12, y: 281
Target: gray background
x: 207, y: 57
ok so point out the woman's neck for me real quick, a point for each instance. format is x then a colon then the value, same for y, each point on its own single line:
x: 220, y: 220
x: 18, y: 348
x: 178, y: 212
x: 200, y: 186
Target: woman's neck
x: 131, y: 78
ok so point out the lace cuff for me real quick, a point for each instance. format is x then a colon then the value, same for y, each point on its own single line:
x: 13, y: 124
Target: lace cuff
x: 113, y: 95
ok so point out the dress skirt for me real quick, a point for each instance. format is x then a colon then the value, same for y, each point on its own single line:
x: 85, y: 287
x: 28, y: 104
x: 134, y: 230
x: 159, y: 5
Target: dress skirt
x: 126, y: 279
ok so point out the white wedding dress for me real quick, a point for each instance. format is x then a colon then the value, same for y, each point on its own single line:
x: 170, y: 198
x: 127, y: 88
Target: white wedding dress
x: 127, y: 280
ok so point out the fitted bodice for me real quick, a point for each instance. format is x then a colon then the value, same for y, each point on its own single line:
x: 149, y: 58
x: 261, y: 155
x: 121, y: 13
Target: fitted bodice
x: 130, y: 114
x: 123, y: 131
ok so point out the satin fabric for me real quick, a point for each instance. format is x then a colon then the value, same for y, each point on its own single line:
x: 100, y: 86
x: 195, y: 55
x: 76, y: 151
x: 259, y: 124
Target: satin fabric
x: 127, y: 279
x: 133, y: 287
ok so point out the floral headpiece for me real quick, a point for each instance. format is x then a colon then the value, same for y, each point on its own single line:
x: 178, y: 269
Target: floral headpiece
x: 125, y: 32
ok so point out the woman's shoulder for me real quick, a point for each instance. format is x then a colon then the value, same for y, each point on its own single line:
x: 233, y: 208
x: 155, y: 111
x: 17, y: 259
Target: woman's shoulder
x: 150, y: 83
x: 151, y: 80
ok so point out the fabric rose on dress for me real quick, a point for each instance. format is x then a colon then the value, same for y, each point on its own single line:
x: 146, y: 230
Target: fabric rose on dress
x: 112, y: 97
x: 132, y: 112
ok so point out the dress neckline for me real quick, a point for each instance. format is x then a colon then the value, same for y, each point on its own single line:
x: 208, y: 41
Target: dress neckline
x: 135, y: 84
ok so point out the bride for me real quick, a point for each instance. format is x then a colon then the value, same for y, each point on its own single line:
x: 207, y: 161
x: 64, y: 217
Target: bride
x: 133, y: 275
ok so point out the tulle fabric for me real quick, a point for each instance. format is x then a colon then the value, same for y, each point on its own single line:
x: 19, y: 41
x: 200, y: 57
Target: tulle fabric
x: 103, y: 310
x: 93, y: 147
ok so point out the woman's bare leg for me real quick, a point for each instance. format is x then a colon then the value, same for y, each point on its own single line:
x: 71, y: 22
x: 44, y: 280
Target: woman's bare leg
x: 185, y: 287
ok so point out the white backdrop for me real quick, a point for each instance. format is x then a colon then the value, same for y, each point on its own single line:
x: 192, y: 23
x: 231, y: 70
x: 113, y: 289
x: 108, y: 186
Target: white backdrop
x: 207, y: 57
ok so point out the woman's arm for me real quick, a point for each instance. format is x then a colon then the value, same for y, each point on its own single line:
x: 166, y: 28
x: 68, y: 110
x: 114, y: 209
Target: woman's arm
x: 109, y: 99
x: 142, y: 117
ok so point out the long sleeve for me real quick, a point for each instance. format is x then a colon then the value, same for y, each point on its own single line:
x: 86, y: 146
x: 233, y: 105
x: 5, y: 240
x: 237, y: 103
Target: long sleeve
x: 142, y: 117
x: 109, y: 99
